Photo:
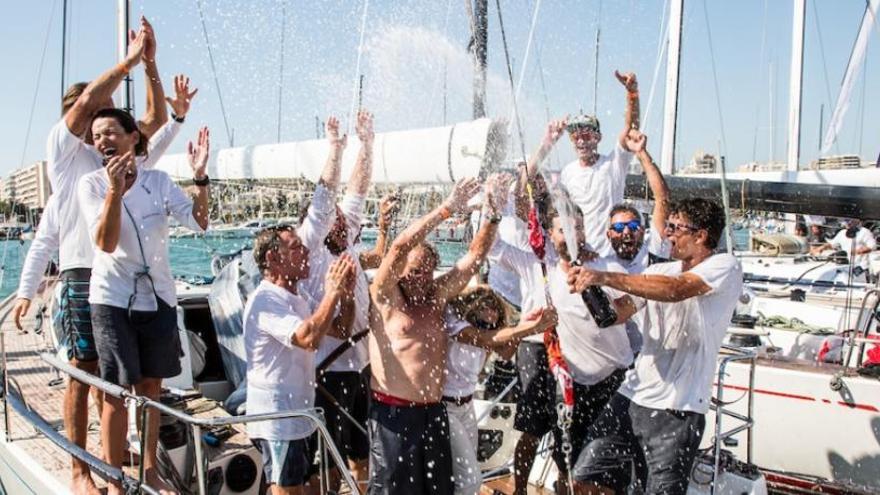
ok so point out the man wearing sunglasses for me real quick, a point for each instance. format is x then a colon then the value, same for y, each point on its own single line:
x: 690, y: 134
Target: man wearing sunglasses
x: 656, y: 419
x: 626, y: 230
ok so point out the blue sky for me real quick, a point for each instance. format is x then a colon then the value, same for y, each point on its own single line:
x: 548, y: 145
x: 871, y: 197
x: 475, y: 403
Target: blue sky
x: 411, y: 47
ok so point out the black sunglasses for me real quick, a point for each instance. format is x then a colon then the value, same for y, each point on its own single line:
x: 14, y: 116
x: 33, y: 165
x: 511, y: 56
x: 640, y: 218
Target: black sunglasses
x: 633, y: 225
x: 680, y: 227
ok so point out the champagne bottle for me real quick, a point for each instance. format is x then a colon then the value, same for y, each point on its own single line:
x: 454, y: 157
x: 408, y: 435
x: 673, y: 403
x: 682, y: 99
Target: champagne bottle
x: 599, y: 305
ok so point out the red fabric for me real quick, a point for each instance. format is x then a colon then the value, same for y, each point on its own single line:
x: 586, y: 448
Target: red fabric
x: 390, y: 400
x: 873, y: 353
x: 558, y: 366
x: 536, y: 237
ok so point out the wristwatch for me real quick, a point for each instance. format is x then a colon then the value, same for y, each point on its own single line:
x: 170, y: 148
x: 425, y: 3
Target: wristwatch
x: 202, y: 182
x: 494, y: 218
x: 178, y: 118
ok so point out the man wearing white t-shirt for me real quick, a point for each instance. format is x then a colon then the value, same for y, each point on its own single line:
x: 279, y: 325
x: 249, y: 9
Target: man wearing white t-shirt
x: 343, y: 378
x: 657, y: 418
x: 70, y: 157
x: 632, y: 246
x: 282, y: 330
x: 594, y: 182
x: 856, y: 240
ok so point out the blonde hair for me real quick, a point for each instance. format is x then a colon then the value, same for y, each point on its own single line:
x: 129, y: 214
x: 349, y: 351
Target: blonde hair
x: 472, y: 299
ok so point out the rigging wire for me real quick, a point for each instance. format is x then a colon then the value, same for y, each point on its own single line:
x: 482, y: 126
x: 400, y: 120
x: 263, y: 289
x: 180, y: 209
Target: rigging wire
x: 357, y: 66
x: 281, y: 67
x: 824, y: 65
x: 760, y: 63
x: 522, y: 144
x: 596, y: 66
x: 661, y: 51
x: 431, y: 99
x: 27, y: 133
x: 525, y: 61
x: 229, y: 134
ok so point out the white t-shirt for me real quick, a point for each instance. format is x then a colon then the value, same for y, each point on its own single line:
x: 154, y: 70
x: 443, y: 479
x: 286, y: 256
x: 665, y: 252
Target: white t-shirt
x: 864, y: 238
x: 357, y: 357
x: 463, y: 361
x: 143, y: 238
x: 42, y: 248
x: 676, y: 367
x: 592, y: 353
x: 653, y: 244
x: 596, y: 190
x: 280, y: 375
x: 69, y: 158
x: 501, y: 279
x: 527, y: 268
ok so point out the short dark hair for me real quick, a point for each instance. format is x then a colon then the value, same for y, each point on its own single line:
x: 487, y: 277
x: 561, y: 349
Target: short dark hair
x: 71, y: 95
x: 623, y: 207
x: 431, y: 250
x: 128, y: 124
x: 704, y: 214
x: 268, y: 239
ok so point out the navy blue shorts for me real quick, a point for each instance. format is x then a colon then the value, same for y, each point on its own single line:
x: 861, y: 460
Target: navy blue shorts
x: 660, y: 445
x: 136, y: 345
x: 287, y: 462
x: 76, y: 316
x: 349, y: 388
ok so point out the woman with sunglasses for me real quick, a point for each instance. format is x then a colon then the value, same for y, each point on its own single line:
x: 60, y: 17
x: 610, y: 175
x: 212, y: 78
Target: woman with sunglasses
x: 133, y: 297
x: 476, y: 323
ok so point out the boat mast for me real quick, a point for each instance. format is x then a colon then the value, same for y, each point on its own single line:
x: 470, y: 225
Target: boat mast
x: 479, y: 39
x: 63, y: 46
x: 796, y: 79
x: 123, y: 12
x: 673, y: 64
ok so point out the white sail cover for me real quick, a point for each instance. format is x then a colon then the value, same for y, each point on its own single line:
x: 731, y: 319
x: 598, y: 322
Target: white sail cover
x: 432, y: 155
x: 854, y: 68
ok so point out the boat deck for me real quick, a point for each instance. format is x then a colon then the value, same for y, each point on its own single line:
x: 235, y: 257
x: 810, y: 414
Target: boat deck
x: 43, y: 391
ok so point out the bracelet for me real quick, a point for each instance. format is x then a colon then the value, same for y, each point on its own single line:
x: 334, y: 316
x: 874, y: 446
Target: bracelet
x: 494, y: 218
x: 178, y: 118
x: 124, y: 68
x: 632, y: 95
x: 202, y: 182
x: 445, y: 212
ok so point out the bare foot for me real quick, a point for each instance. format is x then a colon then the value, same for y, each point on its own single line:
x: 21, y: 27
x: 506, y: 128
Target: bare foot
x: 83, y: 484
x: 156, y: 482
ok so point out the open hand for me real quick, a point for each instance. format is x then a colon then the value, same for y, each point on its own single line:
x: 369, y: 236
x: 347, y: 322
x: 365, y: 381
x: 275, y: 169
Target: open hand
x: 555, y: 130
x: 182, y: 96
x: 497, y: 190
x: 332, y: 128
x: 364, y: 127
x: 149, y: 54
x: 198, y: 153
x: 137, y: 43
x: 628, y: 79
x: 462, y: 192
x: 340, y: 276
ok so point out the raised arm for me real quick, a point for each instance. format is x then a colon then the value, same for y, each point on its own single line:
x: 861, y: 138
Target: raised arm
x: 394, y: 262
x: 637, y: 143
x: 359, y: 182
x: 310, y: 332
x: 388, y: 208
x: 536, y: 321
x: 344, y: 320
x: 452, y: 282
x: 330, y: 174
x: 156, y: 115
x: 100, y: 91
x: 198, y: 161
x: 555, y: 130
x: 631, y: 117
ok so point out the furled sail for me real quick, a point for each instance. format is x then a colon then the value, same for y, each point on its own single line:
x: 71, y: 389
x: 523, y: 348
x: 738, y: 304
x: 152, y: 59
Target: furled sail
x: 431, y: 155
x: 853, y: 69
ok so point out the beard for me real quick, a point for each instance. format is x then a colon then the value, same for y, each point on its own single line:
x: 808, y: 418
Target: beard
x: 627, y: 248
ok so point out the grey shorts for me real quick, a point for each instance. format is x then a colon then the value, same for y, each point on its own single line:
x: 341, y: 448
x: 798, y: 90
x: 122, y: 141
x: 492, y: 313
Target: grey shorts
x: 145, y: 345
x: 659, y: 445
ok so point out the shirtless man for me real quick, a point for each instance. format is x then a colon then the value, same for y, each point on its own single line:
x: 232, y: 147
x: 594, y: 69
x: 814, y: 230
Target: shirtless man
x: 408, y: 427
